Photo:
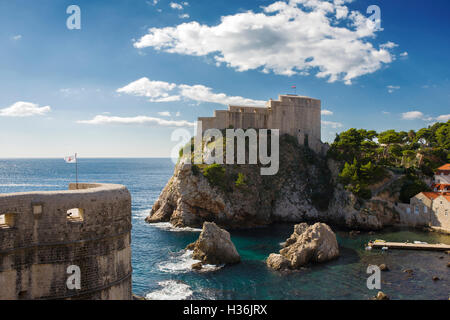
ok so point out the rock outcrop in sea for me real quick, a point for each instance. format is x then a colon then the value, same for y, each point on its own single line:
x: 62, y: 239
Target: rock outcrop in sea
x: 304, y: 189
x: 308, y: 244
x: 214, y: 246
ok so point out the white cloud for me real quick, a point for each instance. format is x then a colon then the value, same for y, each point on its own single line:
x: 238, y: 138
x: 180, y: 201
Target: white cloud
x: 404, y: 54
x: 184, y: 16
x: 385, y: 112
x: 139, y: 120
x: 177, y: 114
x: 157, y: 91
x: 302, y: 36
x: 17, y: 37
x: 391, y: 88
x: 74, y: 91
x: 412, y: 115
x: 332, y: 124
x: 160, y: 91
x: 443, y: 118
x: 325, y: 112
x: 24, y: 109
x: 164, y: 113
x: 201, y: 93
x: 418, y: 115
x: 176, y: 6
x: 166, y: 99
x: 388, y: 45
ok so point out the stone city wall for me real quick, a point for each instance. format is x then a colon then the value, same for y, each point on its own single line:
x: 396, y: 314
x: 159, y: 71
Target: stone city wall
x: 39, y: 241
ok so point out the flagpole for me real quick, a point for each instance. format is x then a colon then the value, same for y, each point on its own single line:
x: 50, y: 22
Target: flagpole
x: 295, y: 89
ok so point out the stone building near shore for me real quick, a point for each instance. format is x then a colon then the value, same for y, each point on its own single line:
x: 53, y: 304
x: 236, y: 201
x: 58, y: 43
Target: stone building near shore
x: 44, y: 234
x: 298, y: 116
x: 430, y: 208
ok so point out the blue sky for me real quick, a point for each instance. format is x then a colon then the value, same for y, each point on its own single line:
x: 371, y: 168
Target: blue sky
x: 60, y: 88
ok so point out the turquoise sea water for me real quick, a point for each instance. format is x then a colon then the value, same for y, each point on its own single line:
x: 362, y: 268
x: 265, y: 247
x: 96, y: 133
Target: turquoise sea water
x: 161, y: 267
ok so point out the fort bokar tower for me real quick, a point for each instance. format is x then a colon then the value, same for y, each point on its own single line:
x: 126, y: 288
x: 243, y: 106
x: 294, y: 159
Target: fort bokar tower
x: 298, y: 116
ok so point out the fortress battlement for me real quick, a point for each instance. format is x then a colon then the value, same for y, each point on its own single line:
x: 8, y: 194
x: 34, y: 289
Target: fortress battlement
x: 43, y: 233
x: 298, y: 116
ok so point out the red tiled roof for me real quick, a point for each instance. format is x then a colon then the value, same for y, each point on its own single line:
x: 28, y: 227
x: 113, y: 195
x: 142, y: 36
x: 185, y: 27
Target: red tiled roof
x: 441, y: 186
x: 431, y: 195
x: 445, y: 167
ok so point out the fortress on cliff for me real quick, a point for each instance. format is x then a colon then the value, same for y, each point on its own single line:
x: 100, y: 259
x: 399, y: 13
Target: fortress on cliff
x: 298, y: 116
x: 43, y: 234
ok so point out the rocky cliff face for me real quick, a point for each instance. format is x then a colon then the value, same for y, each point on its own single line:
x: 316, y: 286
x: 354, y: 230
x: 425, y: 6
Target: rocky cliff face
x: 304, y: 189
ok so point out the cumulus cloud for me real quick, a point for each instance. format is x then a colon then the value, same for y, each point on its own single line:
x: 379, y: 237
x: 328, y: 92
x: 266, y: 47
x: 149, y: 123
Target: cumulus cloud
x: 418, y: 115
x: 202, y: 93
x: 160, y: 91
x: 299, y: 37
x: 388, y: 45
x: 166, y: 99
x: 184, y: 16
x: 443, y: 118
x: 176, y: 6
x: 17, y: 37
x: 412, y: 115
x: 391, y: 88
x: 404, y: 54
x: 157, y: 91
x: 164, y: 113
x: 140, y: 120
x: 332, y: 124
x: 325, y: 112
x: 24, y: 109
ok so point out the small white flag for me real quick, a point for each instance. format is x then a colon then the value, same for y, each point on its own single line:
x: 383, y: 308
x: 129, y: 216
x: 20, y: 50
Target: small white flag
x: 71, y: 159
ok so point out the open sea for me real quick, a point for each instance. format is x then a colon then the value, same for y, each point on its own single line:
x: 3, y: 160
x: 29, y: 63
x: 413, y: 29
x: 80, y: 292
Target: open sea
x: 161, y: 267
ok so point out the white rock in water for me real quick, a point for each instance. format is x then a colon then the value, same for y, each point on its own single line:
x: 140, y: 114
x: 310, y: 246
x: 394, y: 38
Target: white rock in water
x: 308, y: 244
x: 214, y: 246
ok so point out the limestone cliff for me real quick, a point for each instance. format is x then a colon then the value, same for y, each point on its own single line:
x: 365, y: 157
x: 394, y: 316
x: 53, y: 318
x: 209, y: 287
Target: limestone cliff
x: 304, y: 189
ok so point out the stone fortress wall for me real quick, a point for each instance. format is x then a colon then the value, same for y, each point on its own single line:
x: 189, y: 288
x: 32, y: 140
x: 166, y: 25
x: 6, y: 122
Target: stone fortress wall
x: 297, y: 116
x: 39, y: 241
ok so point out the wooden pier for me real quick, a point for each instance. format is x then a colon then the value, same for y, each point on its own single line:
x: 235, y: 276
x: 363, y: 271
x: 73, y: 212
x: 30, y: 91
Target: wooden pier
x: 410, y: 246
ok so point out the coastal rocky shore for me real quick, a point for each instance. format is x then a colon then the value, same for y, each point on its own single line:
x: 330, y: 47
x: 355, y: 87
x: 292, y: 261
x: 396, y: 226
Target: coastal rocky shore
x: 304, y: 189
x: 308, y: 244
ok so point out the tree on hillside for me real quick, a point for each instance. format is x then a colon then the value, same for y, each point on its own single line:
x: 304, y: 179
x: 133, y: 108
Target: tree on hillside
x: 365, y: 161
x: 390, y: 137
x: 349, y: 173
x: 411, y: 136
x: 443, y: 136
x: 353, y: 144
